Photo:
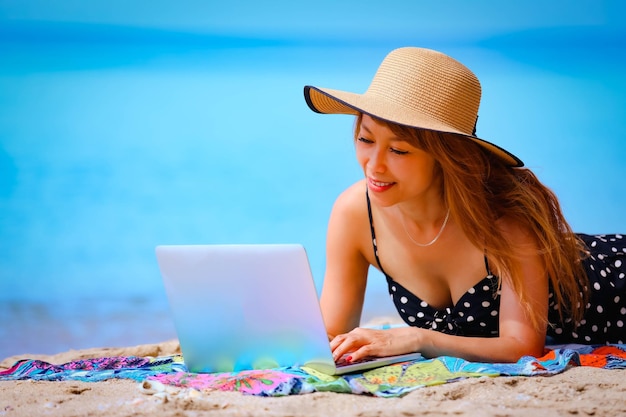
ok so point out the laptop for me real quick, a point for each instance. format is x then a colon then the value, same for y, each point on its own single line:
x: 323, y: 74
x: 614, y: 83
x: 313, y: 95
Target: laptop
x: 241, y: 307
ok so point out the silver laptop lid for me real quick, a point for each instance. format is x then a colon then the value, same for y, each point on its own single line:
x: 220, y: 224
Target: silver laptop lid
x: 238, y: 307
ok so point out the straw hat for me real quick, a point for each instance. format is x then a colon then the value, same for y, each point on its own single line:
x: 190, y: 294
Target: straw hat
x: 415, y: 87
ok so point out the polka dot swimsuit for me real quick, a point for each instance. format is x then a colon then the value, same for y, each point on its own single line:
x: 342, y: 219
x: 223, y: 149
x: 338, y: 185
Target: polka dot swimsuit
x: 476, y: 313
x: 605, y: 314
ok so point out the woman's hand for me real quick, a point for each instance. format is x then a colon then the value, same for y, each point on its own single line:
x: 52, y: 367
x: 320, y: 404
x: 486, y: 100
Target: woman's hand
x: 361, y: 343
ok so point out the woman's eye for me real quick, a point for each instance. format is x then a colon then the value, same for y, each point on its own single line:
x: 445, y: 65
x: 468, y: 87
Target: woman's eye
x: 398, y: 151
x: 365, y: 140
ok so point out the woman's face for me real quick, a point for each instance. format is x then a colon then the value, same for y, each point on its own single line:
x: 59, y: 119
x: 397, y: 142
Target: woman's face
x: 395, y: 170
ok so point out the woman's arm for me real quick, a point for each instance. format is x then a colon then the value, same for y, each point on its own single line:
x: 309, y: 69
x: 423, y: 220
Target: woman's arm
x: 345, y: 279
x: 518, y: 337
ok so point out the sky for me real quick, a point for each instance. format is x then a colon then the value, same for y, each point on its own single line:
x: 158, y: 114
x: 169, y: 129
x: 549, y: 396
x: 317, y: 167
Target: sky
x: 360, y: 20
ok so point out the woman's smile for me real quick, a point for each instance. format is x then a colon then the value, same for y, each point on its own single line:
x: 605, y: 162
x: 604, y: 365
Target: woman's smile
x: 379, y: 186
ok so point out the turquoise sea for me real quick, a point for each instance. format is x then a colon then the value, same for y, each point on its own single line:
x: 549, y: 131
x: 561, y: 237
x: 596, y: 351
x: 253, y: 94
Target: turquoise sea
x: 115, y: 140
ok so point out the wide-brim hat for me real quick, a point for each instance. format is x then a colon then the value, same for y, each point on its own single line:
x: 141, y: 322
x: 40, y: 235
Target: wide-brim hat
x: 419, y: 88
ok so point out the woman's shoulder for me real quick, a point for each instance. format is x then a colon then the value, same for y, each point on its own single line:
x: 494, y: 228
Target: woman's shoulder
x: 349, y: 214
x: 352, y: 200
x: 518, y: 235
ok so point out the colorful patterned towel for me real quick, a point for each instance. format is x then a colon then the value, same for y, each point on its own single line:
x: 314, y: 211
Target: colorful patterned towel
x: 389, y: 381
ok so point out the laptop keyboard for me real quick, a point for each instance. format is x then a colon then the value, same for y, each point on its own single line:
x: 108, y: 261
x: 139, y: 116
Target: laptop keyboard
x: 344, y: 362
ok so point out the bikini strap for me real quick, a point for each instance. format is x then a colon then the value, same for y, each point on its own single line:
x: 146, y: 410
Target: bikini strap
x: 487, y: 265
x: 369, y: 213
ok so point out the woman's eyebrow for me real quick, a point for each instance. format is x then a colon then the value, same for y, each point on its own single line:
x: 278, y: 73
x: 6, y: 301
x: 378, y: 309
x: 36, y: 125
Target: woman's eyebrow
x: 365, y: 128
x: 394, y: 138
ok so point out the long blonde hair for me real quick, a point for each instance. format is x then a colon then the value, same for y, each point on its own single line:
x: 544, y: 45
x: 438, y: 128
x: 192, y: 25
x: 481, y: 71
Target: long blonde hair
x: 479, y: 189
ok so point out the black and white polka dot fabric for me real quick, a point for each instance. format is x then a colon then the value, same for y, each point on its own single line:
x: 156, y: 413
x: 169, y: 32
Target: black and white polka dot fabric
x: 605, y: 313
x: 475, y: 314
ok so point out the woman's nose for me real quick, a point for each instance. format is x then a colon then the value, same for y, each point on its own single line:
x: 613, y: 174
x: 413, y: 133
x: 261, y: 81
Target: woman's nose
x: 377, y: 161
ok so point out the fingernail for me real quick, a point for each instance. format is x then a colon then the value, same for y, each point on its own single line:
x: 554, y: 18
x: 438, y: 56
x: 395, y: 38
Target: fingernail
x: 349, y: 359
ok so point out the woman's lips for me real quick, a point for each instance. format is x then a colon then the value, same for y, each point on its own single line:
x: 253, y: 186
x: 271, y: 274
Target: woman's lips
x: 379, y: 186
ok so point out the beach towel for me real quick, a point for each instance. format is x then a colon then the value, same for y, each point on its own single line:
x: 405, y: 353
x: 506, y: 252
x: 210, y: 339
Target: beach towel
x: 389, y: 381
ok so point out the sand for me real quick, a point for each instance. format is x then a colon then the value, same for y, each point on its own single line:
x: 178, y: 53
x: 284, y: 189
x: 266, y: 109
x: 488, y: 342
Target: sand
x: 579, y: 391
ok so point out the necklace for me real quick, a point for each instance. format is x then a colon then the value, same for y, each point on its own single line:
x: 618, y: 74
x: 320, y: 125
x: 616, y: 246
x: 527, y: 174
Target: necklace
x: 423, y: 245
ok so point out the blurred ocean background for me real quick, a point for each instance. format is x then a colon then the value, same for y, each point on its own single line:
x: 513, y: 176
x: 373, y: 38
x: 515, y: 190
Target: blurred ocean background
x: 124, y: 125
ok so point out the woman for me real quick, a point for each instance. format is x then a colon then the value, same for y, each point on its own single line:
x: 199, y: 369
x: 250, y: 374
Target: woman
x: 480, y: 262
